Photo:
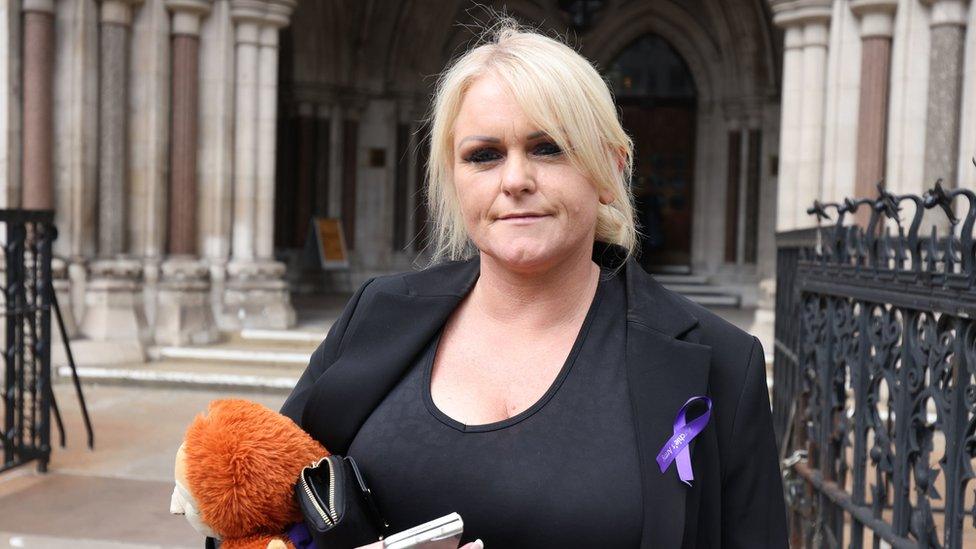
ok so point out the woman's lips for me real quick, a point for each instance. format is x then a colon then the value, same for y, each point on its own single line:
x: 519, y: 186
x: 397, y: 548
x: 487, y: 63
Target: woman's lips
x: 523, y: 219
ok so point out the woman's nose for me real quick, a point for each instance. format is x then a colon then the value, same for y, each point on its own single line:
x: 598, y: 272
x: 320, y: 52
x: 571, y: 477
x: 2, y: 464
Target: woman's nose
x: 517, y: 175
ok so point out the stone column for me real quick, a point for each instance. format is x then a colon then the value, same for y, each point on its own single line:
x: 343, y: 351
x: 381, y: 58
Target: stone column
x: 943, y: 112
x: 256, y: 294
x: 114, y: 306
x: 789, y: 140
x: 815, y: 39
x: 184, y: 115
x: 248, y: 16
x: 877, y: 26
x: 38, y: 104
x: 116, y: 18
x: 216, y: 136
x: 38, y: 129
x: 184, y: 314
x: 802, y: 106
x: 76, y: 150
x: 276, y: 18
x: 148, y: 141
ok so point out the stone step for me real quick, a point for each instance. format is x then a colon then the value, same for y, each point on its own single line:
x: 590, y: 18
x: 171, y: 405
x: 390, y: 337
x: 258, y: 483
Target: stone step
x: 714, y: 300
x: 284, y: 336
x: 196, y: 375
x: 671, y: 269
x: 700, y: 289
x: 680, y: 278
x: 234, y: 353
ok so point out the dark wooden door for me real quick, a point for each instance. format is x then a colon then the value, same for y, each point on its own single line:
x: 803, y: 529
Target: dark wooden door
x: 664, y: 153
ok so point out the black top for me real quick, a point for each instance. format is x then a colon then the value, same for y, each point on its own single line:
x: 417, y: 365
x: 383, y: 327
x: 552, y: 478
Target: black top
x: 674, y: 349
x: 562, y: 473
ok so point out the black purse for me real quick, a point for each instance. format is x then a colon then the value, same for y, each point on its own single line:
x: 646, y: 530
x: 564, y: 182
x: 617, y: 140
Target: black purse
x: 338, y: 507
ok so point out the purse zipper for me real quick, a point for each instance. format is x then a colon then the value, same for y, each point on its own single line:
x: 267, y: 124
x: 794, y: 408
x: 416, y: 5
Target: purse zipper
x: 329, y: 517
x: 332, y: 511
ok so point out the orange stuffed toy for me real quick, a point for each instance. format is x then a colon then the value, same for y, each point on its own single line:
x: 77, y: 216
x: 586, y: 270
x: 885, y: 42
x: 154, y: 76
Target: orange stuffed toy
x: 236, y: 471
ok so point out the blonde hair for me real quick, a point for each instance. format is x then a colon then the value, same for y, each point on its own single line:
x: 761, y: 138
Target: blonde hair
x: 564, y: 96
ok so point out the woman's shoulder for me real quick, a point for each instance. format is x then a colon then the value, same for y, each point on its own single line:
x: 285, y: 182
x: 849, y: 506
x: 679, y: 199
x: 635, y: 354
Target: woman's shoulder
x: 718, y: 331
x: 733, y: 349
x: 448, y: 278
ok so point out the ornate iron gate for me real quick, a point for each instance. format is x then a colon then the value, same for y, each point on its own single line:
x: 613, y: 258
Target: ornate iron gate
x: 27, y: 337
x: 874, y: 388
x: 28, y: 400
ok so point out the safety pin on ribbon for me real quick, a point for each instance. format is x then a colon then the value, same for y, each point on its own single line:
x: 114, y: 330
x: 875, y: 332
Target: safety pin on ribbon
x: 676, y: 448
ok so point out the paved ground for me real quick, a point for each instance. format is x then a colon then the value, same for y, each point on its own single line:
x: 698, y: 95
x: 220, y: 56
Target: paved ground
x: 116, y: 496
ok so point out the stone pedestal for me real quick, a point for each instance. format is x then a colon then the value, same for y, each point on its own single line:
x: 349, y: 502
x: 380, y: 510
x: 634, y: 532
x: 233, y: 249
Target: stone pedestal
x: 183, y: 311
x: 256, y: 296
x: 114, y: 308
x: 62, y: 289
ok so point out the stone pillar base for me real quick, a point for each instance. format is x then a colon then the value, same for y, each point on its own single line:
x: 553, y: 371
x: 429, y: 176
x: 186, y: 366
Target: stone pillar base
x: 113, y: 304
x: 256, y: 296
x: 62, y: 289
x: 183, y: 312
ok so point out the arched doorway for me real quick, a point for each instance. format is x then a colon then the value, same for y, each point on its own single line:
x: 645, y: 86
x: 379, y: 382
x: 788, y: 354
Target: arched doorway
x: 657, y: 98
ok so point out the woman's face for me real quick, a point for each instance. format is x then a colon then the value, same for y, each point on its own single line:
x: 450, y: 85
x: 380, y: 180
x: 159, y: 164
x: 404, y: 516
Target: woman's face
x: 523, y: 203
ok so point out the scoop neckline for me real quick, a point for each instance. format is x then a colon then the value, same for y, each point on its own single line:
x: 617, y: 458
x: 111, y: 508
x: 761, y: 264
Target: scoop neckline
x: 431, y: 353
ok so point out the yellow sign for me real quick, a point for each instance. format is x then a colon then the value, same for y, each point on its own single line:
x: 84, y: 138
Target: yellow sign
x: 325, y: 234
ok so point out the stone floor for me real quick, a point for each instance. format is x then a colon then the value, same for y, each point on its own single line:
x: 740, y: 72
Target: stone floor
x: 117, y: 495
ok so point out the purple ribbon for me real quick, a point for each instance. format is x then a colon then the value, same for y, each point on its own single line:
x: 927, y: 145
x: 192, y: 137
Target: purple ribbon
x: 676, y: 448
x: 300, y: 537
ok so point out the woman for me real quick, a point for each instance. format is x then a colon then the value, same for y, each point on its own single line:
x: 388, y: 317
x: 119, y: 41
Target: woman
x: 530, y: 379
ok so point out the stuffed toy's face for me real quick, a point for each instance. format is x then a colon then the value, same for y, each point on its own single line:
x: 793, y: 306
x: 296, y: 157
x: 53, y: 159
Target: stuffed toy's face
x: 183, y: 503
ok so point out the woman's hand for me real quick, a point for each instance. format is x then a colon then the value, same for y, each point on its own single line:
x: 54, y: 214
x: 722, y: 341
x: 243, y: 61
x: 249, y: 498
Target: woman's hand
x: 476, y: 544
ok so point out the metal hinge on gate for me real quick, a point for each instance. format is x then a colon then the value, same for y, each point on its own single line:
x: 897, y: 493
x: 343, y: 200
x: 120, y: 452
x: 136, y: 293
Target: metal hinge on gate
x: 793, y: 483
x: 794, y: 458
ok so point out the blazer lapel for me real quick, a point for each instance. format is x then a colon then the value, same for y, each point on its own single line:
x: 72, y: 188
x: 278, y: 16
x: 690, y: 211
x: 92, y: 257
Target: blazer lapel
x: 394, y: 327
x: 663, y: 372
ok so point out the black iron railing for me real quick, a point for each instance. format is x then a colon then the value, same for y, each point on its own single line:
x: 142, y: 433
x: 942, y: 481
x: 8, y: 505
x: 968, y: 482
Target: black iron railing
x: 28, y: 399
x: 874, y: 389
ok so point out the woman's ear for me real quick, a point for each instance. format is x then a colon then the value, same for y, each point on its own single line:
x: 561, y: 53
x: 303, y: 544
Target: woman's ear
x: 619, y: 156
x: 606, y: 197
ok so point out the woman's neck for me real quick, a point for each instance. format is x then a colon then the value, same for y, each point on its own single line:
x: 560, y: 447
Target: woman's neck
x: 540, y: 300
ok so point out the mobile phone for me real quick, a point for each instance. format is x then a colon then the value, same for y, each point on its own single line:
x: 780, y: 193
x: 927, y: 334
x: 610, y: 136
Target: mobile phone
x: 440, y: 533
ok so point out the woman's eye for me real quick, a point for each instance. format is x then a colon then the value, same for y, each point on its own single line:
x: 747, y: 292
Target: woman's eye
x: 548, y: 149
x: 482, y: 155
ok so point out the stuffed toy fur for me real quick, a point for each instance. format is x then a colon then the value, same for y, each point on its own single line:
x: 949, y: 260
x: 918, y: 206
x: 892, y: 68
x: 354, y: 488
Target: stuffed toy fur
x: 236, y: 472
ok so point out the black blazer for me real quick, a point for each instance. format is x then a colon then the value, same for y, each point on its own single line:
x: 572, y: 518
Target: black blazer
x: 675, y: 349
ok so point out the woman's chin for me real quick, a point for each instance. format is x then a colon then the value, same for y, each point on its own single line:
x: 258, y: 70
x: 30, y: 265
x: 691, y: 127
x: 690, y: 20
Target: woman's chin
x: 523, y: 258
